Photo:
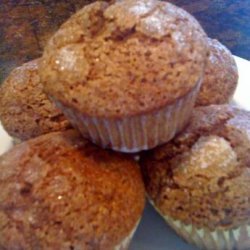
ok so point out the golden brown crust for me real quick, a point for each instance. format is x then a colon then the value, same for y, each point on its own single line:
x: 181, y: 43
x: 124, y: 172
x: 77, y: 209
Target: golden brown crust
x: 126, y: 58
x: 58, y: 191
x: 25, y: 111
x: 220, y: 78
x: 202, y: 176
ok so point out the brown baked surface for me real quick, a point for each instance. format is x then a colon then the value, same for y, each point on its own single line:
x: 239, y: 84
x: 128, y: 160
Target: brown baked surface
x: 202, y: 176
x: 221, y: 76
x: 25, y: 111
x: 125, y: 58
x: 58, y: 191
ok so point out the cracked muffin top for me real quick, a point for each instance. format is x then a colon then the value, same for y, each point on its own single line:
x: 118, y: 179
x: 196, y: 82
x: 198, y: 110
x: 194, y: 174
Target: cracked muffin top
x: 58, y: 191
x: 25, y: 111
x: 202, y: 176
x: 125, y: 58
x: 220, y: 78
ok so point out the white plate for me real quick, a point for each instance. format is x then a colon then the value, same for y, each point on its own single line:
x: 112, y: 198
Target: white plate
x: 153, y: 233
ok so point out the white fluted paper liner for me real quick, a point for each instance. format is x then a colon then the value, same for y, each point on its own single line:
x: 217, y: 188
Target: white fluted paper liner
x: 135, y: 133
x: 6, y: 142
x: 220, y: 239
x: 124, y: 245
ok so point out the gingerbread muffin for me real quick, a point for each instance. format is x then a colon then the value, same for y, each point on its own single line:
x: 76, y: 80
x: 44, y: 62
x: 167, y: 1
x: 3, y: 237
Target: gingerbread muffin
x: 127, y: 73
x: 58, y: 191
x: 199, y: 181
x: 221, y: 76
x: 25, y: 111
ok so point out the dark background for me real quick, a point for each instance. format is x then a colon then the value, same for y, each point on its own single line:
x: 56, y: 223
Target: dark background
x: 25, y: 26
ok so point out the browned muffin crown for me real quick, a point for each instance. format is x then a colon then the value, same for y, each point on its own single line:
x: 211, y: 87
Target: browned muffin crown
x: 25, y: 111
x: 58, y: 191
x: 125, y: 58
x: 202, y: 176
x: 220, y: 78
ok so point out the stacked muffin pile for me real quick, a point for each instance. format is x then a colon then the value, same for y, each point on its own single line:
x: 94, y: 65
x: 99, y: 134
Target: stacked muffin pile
x: 127, y: 76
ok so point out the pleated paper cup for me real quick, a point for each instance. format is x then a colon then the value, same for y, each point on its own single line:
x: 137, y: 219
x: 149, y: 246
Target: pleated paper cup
x: 135, y: 133
x: 219, y: 239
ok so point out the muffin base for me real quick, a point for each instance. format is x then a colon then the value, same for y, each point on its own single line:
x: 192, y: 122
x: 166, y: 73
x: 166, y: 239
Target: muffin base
x: 124, y: 245
x: 135, y: 133
x: 219, y: 239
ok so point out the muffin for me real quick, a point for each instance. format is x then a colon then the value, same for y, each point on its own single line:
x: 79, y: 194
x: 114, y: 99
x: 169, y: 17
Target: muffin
x: 220, y: 78
x: 199, y: 181
x: 25, y: 111
x: 58, y: 191
x: 126, y: 74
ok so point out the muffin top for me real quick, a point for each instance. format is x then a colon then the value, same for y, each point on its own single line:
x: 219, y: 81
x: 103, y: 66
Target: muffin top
x: 221, y: 76
x: 124, y: 58
x: 202, y: 176
x: 58, y: 191
x: 25, y: 111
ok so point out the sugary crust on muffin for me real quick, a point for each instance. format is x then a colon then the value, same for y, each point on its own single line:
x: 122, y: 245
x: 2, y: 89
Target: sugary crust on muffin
x: 125, y: 58
x: 58, y: 191
x: 202, y: 176
x: 220, y: 78
x: 25, y: 111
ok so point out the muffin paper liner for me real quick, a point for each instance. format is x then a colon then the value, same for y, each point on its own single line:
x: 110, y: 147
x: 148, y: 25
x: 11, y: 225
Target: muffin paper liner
x: 134, y: 133
x: 219, y: 239
x: 124, y: 245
